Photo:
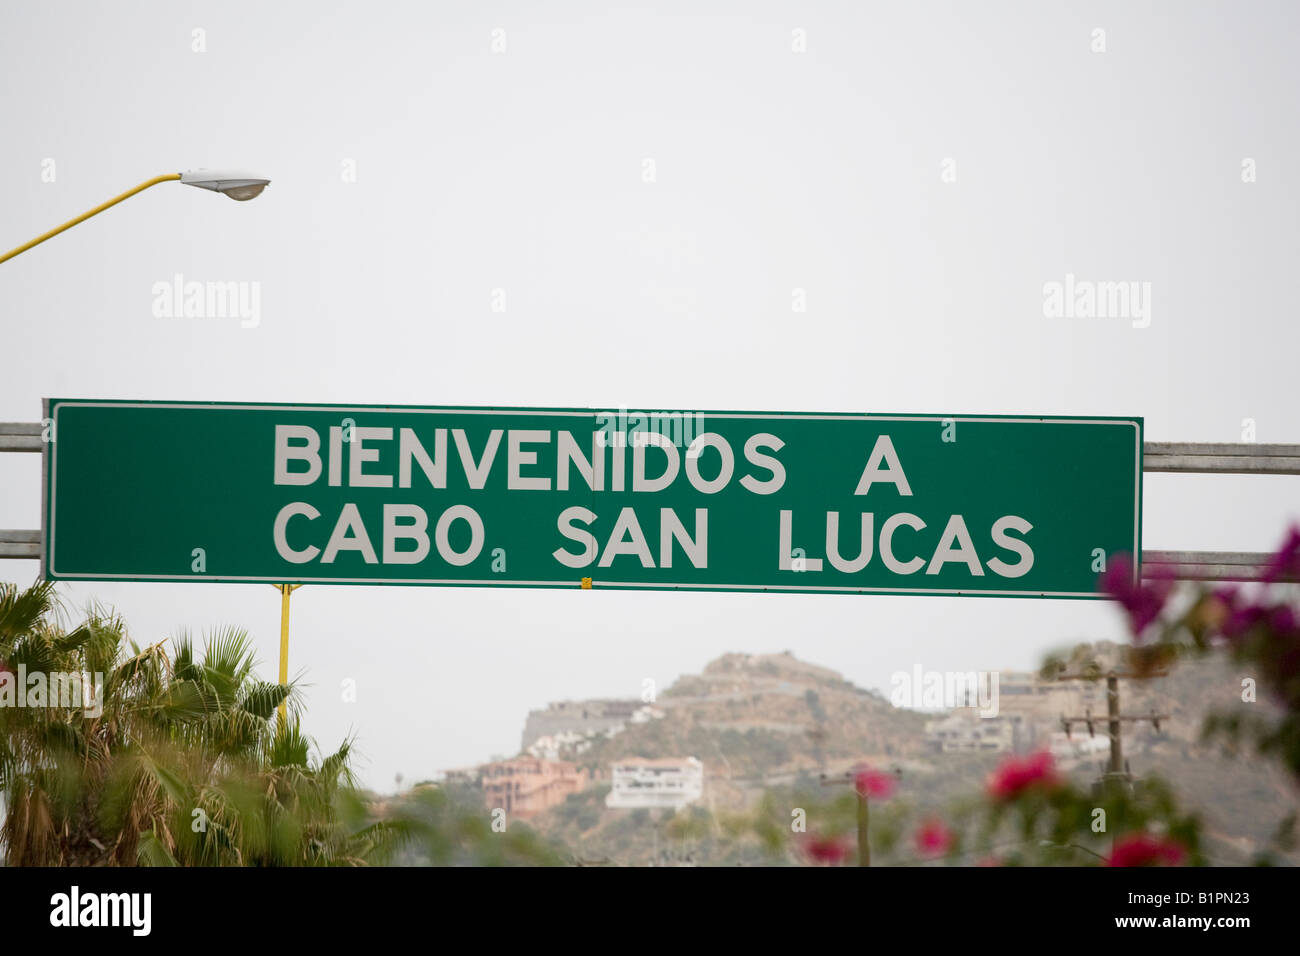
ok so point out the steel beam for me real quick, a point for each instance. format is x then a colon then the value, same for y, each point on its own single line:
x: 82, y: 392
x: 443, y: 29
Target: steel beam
x: 20, y: 436
x: 1182, y: 565
x: 1207, y: 565
x: 1236, y: 458
x: 20, y: 544
x: 1243, y: 458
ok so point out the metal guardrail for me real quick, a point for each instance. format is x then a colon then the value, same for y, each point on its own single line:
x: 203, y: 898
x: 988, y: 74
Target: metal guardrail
x: 20, y: 436
x: 1242, y: 458
x: 20, y: 544
x: 1223, y: 459
x: 1206, y: 565
x: 1171, y: 457
x: 1184, y: 565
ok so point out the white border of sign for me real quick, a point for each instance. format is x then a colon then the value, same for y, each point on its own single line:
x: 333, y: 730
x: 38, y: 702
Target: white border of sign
x: 48, y: 482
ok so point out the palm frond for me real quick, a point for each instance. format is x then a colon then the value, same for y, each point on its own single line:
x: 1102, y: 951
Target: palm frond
x: 152, y: 852
x: 261, y: 699
x: 21, y: 611
x: 227, y: 662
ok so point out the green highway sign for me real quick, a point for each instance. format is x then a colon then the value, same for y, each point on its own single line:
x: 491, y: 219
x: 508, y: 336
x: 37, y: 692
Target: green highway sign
x: 561, y: 497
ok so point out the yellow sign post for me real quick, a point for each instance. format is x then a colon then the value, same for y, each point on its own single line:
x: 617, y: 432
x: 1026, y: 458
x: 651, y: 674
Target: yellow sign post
x: 285, y: 590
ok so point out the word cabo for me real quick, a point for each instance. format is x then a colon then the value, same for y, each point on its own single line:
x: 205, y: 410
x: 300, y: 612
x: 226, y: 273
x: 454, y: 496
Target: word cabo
x: 404, y: 534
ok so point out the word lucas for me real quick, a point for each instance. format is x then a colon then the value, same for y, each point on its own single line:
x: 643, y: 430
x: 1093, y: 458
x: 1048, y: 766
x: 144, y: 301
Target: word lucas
x: 37, y: 689
x: 1084, y: 299
x: 179, y: 299
x: 103, y: 909
x: 709, y: 464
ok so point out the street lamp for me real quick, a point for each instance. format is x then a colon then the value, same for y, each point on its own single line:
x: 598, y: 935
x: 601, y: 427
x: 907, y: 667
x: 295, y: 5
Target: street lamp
x: 239, y: 186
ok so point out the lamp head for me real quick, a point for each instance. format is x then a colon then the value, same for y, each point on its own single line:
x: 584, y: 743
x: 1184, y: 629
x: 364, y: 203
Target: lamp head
x: 239, y: 186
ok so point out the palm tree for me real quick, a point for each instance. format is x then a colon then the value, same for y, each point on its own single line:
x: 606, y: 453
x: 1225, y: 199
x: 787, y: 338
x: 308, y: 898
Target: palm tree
x: 176, y: 760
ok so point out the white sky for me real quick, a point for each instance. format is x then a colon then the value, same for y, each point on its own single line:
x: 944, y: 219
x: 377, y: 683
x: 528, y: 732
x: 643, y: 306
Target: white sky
x: 522, y: 171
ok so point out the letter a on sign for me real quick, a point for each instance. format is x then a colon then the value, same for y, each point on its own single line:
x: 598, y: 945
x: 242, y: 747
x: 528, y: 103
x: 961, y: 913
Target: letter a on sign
x: 891, y: 472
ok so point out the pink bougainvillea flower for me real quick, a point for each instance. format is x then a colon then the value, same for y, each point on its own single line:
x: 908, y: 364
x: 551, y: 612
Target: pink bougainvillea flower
x: 1282, y: 619
x: 933, y: 838
x: 1286, y: 665
x: 875, y: 784
x: 1143, y: 849
x: 1285, y: 562
x: 1242, y: 618
x: 824, y: 850
x: 1142, y: 600
x: 1016, y: 775
x: 1239, y: 620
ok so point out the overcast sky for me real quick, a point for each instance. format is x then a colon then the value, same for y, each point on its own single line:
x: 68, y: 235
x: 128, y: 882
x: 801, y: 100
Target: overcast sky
x: 920, y: 170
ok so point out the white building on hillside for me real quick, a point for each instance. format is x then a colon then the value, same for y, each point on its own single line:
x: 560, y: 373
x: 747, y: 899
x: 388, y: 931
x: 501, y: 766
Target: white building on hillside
x: 1066, y: 746
x: 669, y: 782
x: 964, y: 731
x: 556, y: 746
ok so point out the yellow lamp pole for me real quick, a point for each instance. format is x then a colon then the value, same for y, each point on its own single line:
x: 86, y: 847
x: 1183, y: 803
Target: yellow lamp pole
x: 285, y: 590
x: 238, y: 186
x: 86, y: 215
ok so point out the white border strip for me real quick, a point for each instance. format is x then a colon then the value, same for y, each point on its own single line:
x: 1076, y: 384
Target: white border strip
x: 400, y: 410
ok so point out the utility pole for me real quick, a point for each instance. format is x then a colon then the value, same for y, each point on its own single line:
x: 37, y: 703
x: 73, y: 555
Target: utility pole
x: 1116, y: 768
x: 850, y: 777
x: 819, y: 736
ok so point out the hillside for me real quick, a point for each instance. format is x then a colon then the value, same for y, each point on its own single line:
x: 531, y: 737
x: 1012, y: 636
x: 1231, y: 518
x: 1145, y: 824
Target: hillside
x: 763, y: 718
x: 767, y: 725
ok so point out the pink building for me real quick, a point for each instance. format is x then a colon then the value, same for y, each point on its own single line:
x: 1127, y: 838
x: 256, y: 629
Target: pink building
x: 526, y: 786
